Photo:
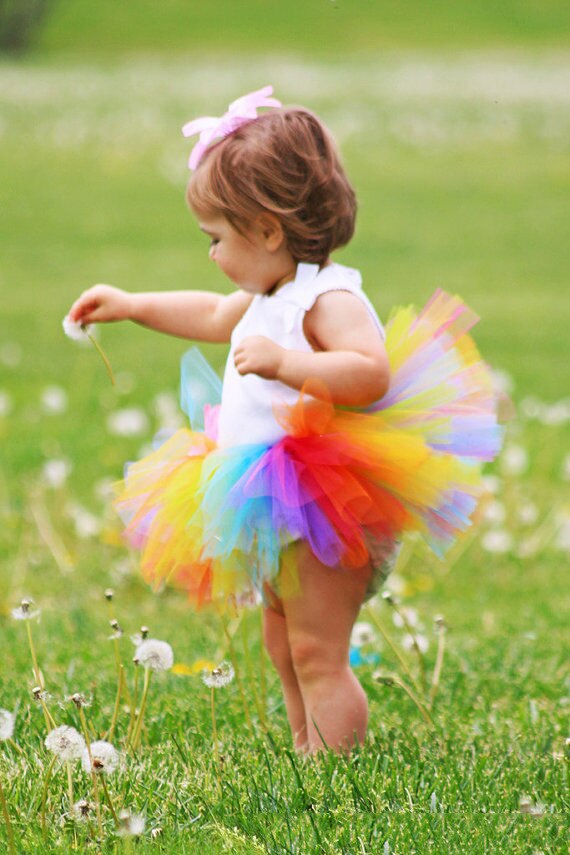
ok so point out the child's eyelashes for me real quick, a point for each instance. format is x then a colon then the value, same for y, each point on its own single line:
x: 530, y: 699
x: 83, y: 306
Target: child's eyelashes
x: 214, y: 241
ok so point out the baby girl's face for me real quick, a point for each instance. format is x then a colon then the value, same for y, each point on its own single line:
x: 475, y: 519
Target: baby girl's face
x: 245, y: 258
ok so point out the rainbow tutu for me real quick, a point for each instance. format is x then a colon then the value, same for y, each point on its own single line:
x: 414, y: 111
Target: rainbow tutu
x: 217, y: 521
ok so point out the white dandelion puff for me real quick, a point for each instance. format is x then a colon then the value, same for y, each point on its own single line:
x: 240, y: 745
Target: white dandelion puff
x: 527, y: 513
x: 54, y: 400
x: 81, y: 809
x: 7, y: 723
x: 219, y: 676
x: 514, y: 460
x: 409, y: 642
x: 65, y: 742
x: 498, y: 541
x: 494, y: 512
x: 362, y: 633
x: 130, y: 824
x: 101, y: 756
x: 25, y: 612
x: 154, y: 654
x: 5, y: 404
x: 77, y: 331
x: 492, y: 484
x: 130, y: 421
x: 408, y: 614
x: 55, y: 472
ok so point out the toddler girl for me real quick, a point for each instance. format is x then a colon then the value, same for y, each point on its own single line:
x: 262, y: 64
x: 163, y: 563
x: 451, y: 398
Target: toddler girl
x: 333, y: 437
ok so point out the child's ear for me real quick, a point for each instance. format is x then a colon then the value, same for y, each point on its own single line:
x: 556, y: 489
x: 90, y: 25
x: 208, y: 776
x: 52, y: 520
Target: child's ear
x: 272, y: 231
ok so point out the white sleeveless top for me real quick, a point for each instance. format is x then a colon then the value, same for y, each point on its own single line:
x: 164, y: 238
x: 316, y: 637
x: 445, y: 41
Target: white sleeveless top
x: 246, y: 414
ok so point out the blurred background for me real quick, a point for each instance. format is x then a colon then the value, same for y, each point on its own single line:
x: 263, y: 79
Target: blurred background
x: 454, y: 123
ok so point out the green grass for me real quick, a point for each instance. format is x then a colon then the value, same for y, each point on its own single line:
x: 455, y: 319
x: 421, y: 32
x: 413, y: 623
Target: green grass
x: 461, y: 168
x: 322, y: 27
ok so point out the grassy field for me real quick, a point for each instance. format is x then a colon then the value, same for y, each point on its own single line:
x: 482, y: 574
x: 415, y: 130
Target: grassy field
x: 461, y: 165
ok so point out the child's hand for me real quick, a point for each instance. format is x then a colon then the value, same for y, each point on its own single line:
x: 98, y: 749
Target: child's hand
x: 100, y: 304
x: 258, y: 355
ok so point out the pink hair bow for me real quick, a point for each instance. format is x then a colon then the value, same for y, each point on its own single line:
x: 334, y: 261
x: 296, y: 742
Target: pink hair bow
x: 239, y: 112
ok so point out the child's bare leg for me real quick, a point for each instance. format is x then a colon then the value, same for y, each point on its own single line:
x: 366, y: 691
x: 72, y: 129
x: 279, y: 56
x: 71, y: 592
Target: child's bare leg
x: 319, y: 624
x: 277, y: 644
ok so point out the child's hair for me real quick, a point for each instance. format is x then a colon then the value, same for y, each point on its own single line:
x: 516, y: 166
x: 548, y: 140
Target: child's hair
x: 285, y: 163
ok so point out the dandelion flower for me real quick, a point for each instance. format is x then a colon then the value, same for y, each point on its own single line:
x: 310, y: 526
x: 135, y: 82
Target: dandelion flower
x: 130, y: 824
x: 80, y: 701
x: 7, y: 721
x: 77, y: 331
x: 154, y: 654
x: 104, y: 756
x: 23, y: 612
x: 65, y: 742
x: 218, y: 677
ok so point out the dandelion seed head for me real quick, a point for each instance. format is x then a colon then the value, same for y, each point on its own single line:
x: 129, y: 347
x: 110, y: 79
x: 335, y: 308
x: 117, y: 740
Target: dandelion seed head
x: 221, y: 675
x: 81, y: 809
x: 55, y: 472
x: 130, y: 421
x: 494, y: 512
x: 155, y: 832
x: 117, y: 630
x: 80, y: 701
x: 7, y: 722
x: 24, y: 611
x: 154, y: 654
x: 514, y: 460
x: 54, y: 400
x: 40, y: 694
x: 65, y: 742
x: 109, y: 594
x: 77, y: 331
x: 498, y: 541
x: 407, y: 614
x: 421, y: 641
x: 130, y: 824
x: 362, y: 633
x: 5, y: 404
x: 104, y: 757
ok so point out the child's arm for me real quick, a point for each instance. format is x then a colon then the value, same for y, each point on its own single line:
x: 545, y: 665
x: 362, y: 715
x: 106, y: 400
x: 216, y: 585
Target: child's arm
x: 350, y: 357
x: 198, y: 315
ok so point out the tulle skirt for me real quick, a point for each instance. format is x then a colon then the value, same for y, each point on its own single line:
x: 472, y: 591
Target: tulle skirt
x: 219, y: 522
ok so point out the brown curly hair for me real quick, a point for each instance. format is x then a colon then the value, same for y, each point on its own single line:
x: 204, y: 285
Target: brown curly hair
x: 285, y: 163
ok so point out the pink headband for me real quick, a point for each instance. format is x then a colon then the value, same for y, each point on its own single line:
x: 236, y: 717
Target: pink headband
x: 239, y: 112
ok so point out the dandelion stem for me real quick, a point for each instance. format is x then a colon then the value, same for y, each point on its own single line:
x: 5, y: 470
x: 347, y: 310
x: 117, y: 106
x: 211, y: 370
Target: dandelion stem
x: 93, y: 772
x: 262, y: 672
x: 392, y: 646
x: 410, y: 630
x: 70, y: 784
x: 133, y: 705
x: 400, y: 683
x: 109, y: 801
x: 238, y: 677
x: 6, y: 814
x: 138, y: 729
x: 215, y: 735
x: 102, y: 354
x: 37, y: 672
x: 438, y: 664
x: 44, y: 795
x: 111, y: 730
